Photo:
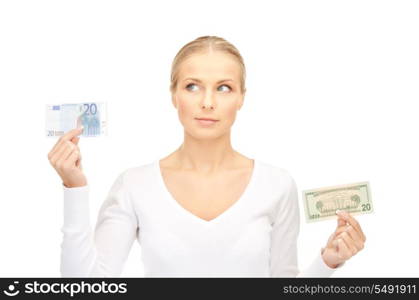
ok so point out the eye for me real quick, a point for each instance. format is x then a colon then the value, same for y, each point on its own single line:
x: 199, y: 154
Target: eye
x: 229, y: 88
x: 191, y: 84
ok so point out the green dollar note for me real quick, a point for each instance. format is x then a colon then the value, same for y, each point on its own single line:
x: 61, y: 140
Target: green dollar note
x: 322, y: 203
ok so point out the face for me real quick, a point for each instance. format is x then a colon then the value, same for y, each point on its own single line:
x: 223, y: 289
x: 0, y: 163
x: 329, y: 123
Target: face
x: 208, y: 87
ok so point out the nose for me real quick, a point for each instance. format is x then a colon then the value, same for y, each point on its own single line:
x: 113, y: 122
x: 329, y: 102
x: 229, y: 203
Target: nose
x: 208, y: 101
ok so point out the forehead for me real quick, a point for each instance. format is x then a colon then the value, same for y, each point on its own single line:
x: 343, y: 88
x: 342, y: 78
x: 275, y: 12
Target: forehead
x: 210, y: 66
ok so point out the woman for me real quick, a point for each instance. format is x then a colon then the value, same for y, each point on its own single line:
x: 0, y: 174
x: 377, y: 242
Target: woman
x: 203, y: 210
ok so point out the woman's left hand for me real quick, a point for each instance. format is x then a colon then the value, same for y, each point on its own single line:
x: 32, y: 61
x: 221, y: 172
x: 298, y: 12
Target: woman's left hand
x: 347, y: 240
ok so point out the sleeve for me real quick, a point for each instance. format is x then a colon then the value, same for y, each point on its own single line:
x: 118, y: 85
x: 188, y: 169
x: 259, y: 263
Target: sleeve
x: 101, y: 252
x: 284, y: 234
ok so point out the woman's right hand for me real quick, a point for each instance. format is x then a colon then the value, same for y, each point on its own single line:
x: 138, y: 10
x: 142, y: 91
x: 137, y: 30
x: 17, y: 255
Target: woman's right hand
x: 65, y: 157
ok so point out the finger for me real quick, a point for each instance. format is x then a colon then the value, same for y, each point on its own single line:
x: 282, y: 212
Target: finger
x: 58, y: 154
x: 72, y: 133
x: 78, y: 162
x: 57, y: 144
x: 64, y: 155
x: 66, y: 161
x: 71, y: 149
x: 330, y: 240
x: 335, y: 244
x: 341, y: 221
x: 351, y: 220
x: 57, y: 147
x: 68, y: 136
x: 339, y: 230
x: 359, y: 243
x: 343, y: 250
x: 71, y: 159
x: 350, y: 243
x: 80, y: 157
x: 75, y: 140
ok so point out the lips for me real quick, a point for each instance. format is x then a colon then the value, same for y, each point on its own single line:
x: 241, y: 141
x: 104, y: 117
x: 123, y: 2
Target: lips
x: 206, y: 119
x: 206, y: 122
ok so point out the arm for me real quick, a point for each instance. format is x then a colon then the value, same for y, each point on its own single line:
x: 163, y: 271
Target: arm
x: 102, y: 252
x: 286, y: 226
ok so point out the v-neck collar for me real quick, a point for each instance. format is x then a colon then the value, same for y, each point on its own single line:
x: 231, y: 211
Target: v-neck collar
x: 188, y: 214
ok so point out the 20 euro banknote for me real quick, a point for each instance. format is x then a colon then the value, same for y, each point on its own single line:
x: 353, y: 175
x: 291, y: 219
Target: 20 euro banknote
x: 60, y: 118
x: 322, y: 203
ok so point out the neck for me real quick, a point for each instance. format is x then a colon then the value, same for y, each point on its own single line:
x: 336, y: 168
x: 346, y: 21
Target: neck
x: 206, y: 155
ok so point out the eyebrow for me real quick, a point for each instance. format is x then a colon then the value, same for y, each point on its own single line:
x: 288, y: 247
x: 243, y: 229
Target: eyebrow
x: 196, y: 79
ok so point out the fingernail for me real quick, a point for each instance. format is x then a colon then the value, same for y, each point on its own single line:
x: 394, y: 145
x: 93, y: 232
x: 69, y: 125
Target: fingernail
x: 338, y: 211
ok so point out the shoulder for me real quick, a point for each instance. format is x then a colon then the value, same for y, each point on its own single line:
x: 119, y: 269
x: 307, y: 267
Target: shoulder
x: 280, y: 184
x: 275, y: 175
x: 140, y: 173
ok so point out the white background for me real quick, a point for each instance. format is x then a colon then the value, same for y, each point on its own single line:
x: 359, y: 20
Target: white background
x: 332, y: 97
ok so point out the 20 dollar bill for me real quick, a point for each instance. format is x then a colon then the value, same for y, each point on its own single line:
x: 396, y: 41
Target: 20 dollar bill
x: 322, y: 203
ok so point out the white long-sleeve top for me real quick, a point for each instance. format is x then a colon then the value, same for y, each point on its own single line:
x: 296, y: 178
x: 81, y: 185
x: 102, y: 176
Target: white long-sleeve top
x: 255, y: 237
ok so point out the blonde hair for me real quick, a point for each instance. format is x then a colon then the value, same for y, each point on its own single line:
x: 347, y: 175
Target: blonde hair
x: 202, y: 44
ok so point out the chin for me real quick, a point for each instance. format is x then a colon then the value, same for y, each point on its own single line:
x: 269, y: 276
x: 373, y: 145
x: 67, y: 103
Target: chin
x: 203, y: 133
